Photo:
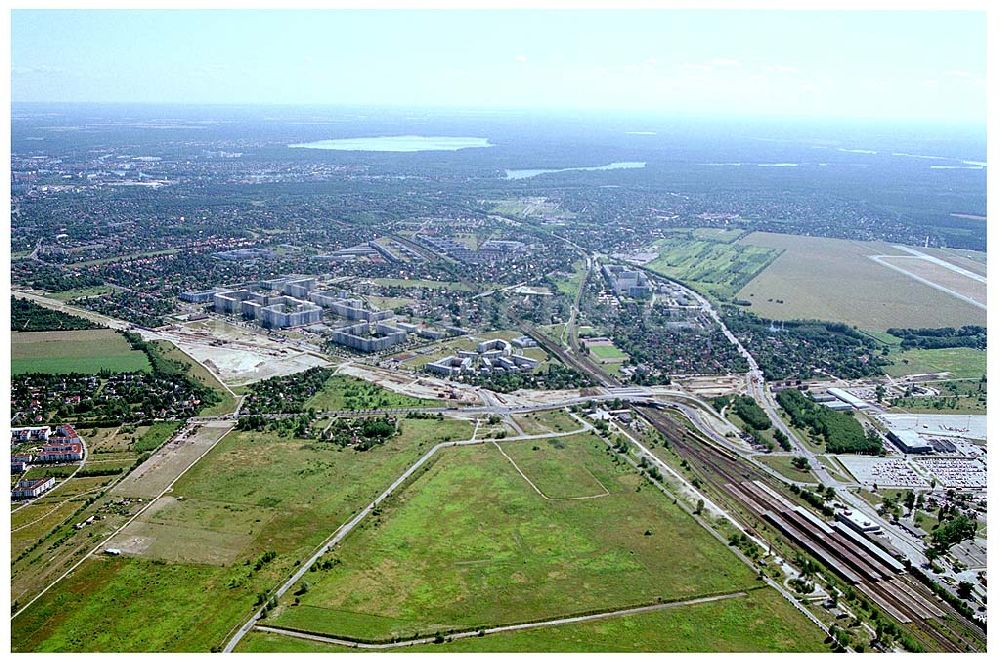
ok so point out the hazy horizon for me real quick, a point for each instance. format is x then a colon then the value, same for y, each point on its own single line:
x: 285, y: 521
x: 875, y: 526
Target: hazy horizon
x: 900, y: 66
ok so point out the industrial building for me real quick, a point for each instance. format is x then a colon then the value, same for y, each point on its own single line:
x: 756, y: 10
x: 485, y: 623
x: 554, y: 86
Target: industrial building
x: 858, y: 521
x: 367, y: 339
x: 909, y: 441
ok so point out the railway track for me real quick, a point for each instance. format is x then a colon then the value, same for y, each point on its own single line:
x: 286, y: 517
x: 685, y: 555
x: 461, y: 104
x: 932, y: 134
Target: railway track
x: 884, y: 581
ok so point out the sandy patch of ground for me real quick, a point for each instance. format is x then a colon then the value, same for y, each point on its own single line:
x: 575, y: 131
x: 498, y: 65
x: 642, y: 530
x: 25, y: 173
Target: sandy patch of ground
x: 156, y: 474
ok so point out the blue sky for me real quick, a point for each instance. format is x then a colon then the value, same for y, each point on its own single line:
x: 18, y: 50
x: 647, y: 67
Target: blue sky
x: 895, y: 65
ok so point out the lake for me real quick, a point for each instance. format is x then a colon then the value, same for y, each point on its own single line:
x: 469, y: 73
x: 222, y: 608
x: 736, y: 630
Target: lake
x: 398, y: 144
x: 519, y: 174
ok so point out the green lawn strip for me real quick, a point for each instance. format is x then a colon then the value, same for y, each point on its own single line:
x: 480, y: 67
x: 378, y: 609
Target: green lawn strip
x: 342, y: 392
x: 470, y: 544
x: 760, y: 622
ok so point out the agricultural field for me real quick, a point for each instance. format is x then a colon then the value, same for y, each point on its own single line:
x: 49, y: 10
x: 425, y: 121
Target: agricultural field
x: 471, y: 543
x: 716, y: 268
x: 85, y: 352
x: 342, y: 392
x: 835, y: 280
x: 298, y: 492
x: 761, y: 621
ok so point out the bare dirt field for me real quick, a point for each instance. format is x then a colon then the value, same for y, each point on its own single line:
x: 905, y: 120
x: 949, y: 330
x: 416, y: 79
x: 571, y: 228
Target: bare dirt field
x: 941, y: 276
x: 970, y: 260
x: 168, y: 528
x: 411, y: 384
x: 153, y: 476
x: 834, y: 279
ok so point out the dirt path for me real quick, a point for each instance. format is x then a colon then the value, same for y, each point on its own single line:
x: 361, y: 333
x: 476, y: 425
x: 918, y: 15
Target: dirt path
x: 591, y: 617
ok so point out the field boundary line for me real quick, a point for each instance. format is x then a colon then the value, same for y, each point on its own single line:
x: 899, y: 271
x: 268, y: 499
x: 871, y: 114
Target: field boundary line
x: 576, y: 619
x: 127, y: 523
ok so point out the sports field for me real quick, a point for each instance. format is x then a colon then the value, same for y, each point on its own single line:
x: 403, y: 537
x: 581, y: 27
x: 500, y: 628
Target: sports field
x: 835, y: 280
x: 87, y: 352
x: 196, y: 576
x: 471, y: 543
x: 717, y: 268
x: 607, y: 354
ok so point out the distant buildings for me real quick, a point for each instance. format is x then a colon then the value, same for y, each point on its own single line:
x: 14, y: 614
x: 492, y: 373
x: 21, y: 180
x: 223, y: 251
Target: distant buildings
x: 625, y: 281
x: 243, y: 254
x: 197, y: 296
x: 491, y: 357
x: 366, y: 338
x: 488, y: 252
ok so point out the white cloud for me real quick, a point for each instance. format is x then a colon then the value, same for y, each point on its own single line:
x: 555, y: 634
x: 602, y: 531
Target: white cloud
x: 521, y: 58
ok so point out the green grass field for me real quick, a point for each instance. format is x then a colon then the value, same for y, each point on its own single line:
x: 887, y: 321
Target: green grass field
x: 961, y: 362
x: 760, y: 622
x: 783, y: 465
x: 345, y: 392
x: 537, y: 423
x: 470, y: 543
x: 718, y: 268
x: 66, y: 296
x: 557, y: 467
x: 115, y: 605
x: 87, y: 352
x: 155, y: 435
x: 298, y: 493
x: 607, y: 353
